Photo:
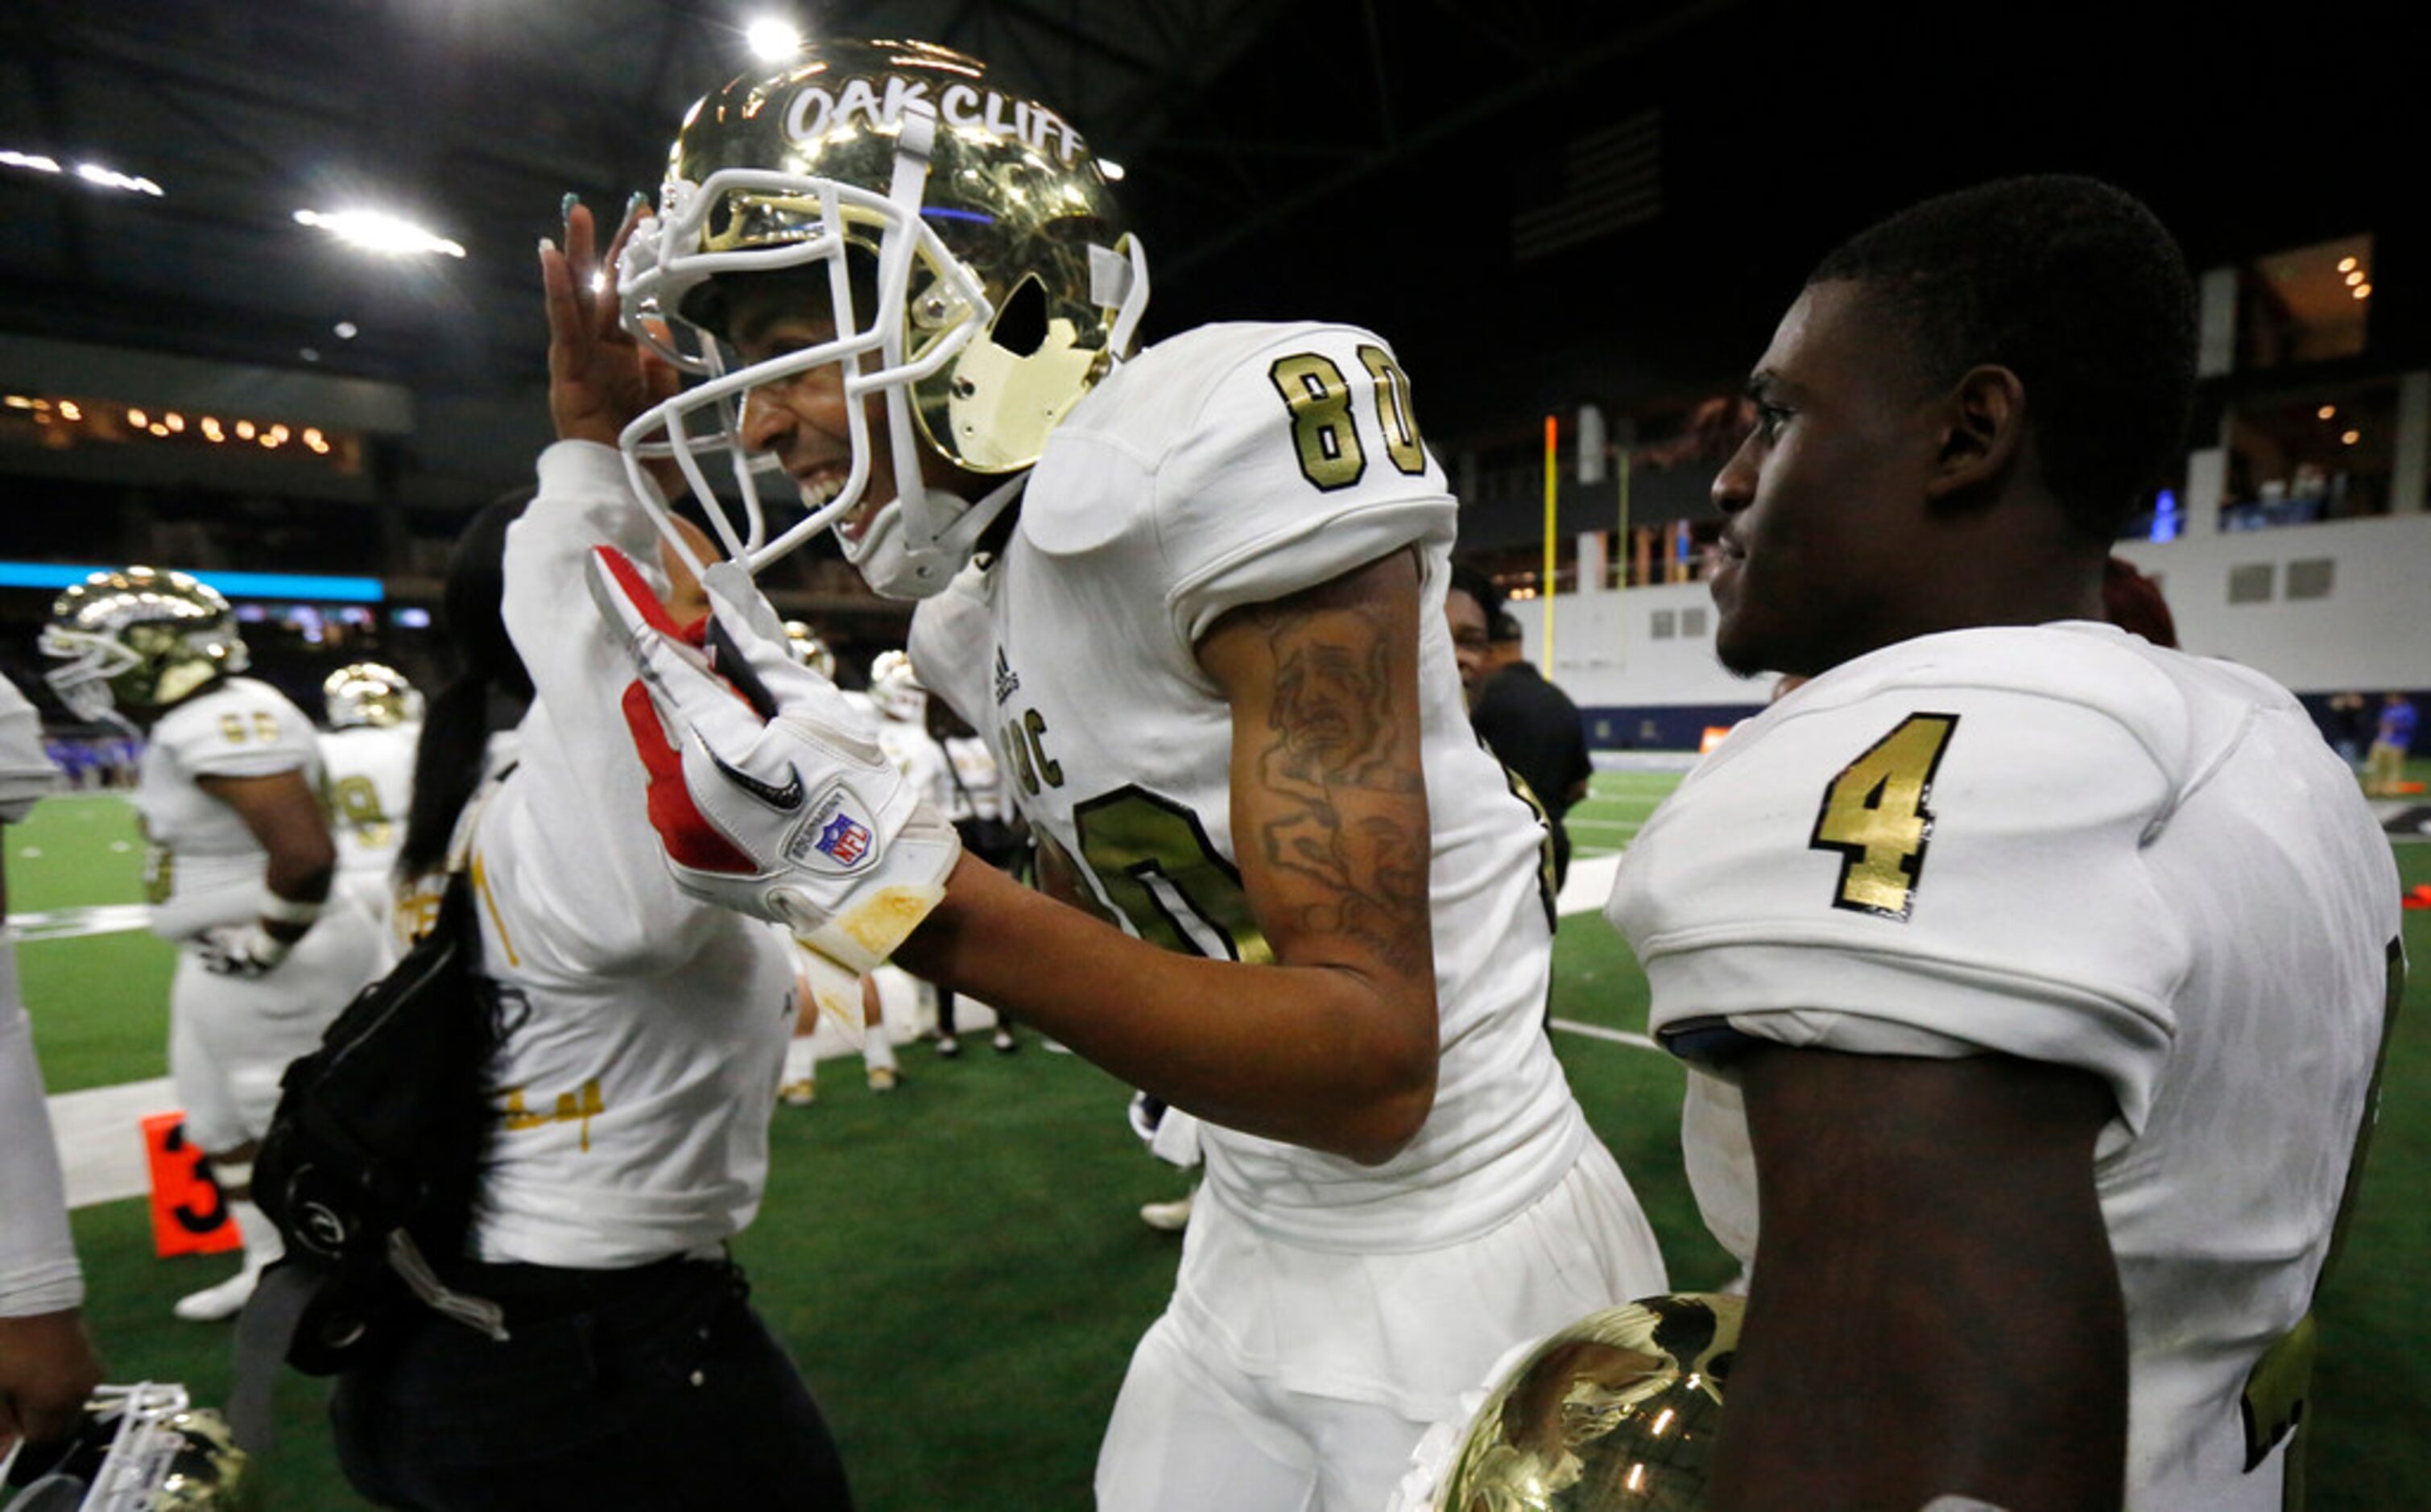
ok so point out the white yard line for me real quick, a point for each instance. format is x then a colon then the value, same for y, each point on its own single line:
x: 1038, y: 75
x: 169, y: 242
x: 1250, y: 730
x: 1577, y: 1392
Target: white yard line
x: 74, y: 923
x: 1618, y: 1037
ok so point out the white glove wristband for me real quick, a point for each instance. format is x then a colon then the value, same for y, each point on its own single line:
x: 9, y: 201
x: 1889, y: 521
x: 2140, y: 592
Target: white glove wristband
x: 279, y: 909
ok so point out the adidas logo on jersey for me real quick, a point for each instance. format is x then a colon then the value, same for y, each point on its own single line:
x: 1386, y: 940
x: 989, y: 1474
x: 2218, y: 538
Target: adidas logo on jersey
x: 1008, y: 681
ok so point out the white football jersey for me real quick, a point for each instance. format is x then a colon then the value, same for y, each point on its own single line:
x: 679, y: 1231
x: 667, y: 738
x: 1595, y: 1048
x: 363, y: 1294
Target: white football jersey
x: 1229, y: 466
x: 204, y: 866
x: 367, y: 776
x: 2062, y: 844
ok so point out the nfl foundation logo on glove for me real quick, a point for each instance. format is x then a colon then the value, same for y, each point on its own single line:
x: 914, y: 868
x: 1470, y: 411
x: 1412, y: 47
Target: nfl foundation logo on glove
x: 844, y: 838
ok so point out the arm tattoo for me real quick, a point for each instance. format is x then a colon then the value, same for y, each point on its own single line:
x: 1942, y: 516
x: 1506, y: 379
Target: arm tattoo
x: 1339, y: 777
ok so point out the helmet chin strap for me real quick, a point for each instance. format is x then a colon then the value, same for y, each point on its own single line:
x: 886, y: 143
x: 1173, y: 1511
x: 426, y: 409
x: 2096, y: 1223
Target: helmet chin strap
x: 898, y: 567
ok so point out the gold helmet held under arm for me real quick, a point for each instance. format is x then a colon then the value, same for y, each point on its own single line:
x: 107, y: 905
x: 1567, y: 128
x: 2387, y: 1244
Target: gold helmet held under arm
x: 964, y: 237
x: 138, y: 638
x: 146, y: 1448
x: 1618, y: 1410
x: 368, y: 694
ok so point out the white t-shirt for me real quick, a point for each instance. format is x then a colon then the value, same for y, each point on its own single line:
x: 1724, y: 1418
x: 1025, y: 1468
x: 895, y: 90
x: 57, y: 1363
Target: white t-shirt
x: 1229, y: 466
x: 645, y: 1032
x: 368, y: 774
x: 2062, y: 844
x: 37, y: 1263
x: 206, y: 868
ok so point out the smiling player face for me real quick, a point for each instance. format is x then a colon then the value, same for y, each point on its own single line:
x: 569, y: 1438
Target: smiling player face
x: 1825, y: 503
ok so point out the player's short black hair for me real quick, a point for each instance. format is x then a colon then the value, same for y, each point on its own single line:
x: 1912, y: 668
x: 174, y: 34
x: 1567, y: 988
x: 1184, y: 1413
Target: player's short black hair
x: 1470, y: 581
x: 2076, y: 287
x: 1502, y: 627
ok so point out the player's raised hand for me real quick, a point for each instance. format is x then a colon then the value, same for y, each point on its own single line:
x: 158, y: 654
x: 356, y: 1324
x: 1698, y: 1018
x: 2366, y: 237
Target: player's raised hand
x: 599, y: 378
x: 767, y: 788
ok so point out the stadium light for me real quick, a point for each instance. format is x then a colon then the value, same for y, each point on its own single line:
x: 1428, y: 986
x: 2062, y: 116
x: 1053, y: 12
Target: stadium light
x: 378, y: 232
x: 773, y: 39
x: 93, y: 173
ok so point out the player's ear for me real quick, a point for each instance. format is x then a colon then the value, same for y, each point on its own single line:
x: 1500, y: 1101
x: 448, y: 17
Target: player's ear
x: 1982, y: 432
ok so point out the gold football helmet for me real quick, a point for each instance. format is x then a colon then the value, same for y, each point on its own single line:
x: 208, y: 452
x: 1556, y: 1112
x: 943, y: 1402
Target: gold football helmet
x: 366, y: 693
x: 1005, y: 285
x: 145, y: 1449
x: 139, y: 638
x: 1618, y: 1410
x: 811, y: 650
x: 896, y: 689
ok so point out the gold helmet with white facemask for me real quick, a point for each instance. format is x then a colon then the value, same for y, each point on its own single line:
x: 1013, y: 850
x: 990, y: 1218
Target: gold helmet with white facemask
x: 896, y: 689
x: 138, y: 638
x: 811, y: 649
x: 365, y: 693
x: 977, y: 269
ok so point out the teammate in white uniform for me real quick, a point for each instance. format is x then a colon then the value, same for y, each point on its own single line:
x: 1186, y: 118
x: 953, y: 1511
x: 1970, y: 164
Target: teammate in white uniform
x: 902, y: 708
x: 970, y: 792
x: 632, y: 1088
x: 46, y: 1362
x: 367, y: 760
x: 240, y: 868
x: 2034, y: 977
x: 1209, y: 645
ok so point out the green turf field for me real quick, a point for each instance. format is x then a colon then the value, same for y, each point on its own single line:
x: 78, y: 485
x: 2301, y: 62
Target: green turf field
x: 959, y: 1266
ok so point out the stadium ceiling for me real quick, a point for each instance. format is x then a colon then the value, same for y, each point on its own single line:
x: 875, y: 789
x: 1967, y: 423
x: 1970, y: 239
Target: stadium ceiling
x: 472, y: 117
x: 1537, y: 201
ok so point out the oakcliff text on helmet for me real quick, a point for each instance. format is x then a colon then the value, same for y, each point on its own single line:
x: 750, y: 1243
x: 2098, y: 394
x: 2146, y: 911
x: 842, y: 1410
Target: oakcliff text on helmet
x: 811, y: 110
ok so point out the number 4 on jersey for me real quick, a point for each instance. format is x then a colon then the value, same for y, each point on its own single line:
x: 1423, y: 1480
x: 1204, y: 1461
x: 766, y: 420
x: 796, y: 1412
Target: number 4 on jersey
x: 1875, y: 814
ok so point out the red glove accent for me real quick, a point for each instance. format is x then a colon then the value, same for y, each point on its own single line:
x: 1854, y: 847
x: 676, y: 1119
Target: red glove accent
x: 689, y: 838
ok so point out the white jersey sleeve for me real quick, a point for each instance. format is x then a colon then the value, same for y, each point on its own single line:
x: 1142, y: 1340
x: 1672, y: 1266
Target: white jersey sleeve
x: 1293, y: 459
x: 1944, y: 857
x: 37, y: 1263
x: 572, y: 874
x: 240, y: 728
x: 26, y: 772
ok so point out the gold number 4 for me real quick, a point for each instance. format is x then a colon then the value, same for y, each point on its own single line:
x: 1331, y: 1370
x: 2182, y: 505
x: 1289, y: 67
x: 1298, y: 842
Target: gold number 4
x: 1318, y: 398
x: 1875, y: 814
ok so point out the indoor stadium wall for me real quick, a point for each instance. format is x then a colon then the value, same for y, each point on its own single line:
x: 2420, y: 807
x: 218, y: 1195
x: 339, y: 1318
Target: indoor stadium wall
x: 2320, y: 607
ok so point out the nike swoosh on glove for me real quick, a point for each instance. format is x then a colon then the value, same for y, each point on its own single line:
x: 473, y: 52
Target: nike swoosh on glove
x: 767, y: 788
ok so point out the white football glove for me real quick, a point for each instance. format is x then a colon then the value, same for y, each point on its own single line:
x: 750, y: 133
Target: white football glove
x: 246, y: 951
x: 767, y: 788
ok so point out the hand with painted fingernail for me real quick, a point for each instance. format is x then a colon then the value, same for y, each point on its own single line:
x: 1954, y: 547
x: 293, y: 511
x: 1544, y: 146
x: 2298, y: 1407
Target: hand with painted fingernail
x: 598, y: 376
